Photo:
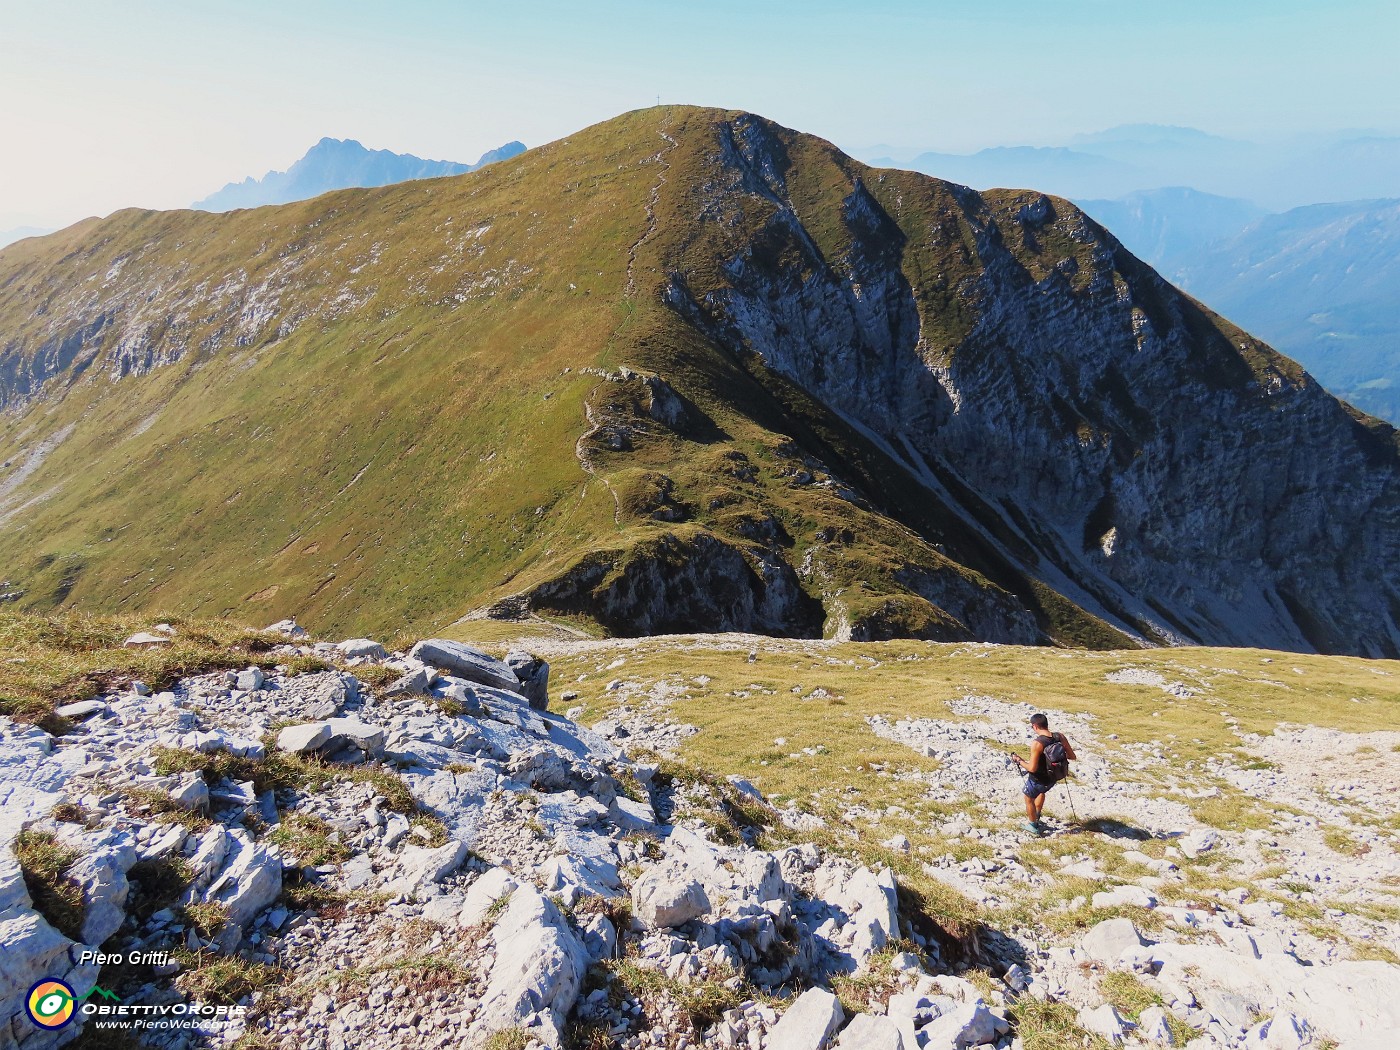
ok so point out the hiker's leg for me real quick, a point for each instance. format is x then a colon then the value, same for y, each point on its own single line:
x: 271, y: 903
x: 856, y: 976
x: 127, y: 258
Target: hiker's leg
x: 1039, y: 805
x: 1032, y: 814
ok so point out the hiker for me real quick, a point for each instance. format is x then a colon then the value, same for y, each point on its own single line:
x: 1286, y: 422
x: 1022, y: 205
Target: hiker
x: 1051, y: 755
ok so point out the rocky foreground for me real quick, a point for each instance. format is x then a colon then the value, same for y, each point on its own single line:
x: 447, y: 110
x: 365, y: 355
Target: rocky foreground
x: 407, y: 849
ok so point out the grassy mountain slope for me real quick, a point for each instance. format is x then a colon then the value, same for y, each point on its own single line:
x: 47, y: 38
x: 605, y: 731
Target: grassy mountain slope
x: 539, y: 386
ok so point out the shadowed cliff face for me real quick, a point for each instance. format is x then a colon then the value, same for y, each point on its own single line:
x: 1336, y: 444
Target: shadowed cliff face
x: 684, y: 370
x: 1193, y: 484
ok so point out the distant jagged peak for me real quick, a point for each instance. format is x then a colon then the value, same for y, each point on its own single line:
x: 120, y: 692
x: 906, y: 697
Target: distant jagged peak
x: 334, y: 164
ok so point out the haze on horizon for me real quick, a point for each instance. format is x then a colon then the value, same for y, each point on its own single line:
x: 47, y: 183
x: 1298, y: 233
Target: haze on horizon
x: 112, y: 106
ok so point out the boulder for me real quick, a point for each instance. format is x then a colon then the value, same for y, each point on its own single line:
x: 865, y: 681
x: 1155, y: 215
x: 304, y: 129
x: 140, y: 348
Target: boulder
x: 188, y: 790
x: 539, y: 965
x: 101, y: 873
x: 249, y: 880
x: 1106, y: 1021
x: 869, y: 1032
x: 82, y: 709
x: 368, y: 738
x: 667, y: 896
x: 418, y: 682
x: 533, y: 673
x: 287, y: 629
x: 1124, y: 896
x: 33, y: 951
x: 1283, y: 1031
x: 630, y: 815
x: 420, y: 867
x: 249, y: 679
x: 808, y: 1023
x: 1153, y: 1027
x: 353, y: 648
x: 300, y: 739
x: 465, y: 662
x: 965, y: 1024
x: 1110, y: 939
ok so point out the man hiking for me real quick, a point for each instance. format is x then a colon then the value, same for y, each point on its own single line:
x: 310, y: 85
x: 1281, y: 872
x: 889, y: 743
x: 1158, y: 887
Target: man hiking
x: 1051, y: 755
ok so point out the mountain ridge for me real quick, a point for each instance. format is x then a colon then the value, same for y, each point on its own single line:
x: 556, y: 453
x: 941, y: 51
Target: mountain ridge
x: 700, y: 369
x: 334, y: 164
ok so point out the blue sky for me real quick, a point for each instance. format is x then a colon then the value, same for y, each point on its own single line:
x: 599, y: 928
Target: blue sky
x: 155, y: 103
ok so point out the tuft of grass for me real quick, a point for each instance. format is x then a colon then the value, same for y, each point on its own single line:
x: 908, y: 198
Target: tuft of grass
x: 225, y: 980
x: 1338, y: 841
x: 1045, y: 1025
x: 280, y: 770
x: 207, y: 917
x: 305, y: 664
x: 164, y: 809
x: 507, y: 1039
x: 45, y: 864
x: 1127, y: 993
x: 309, y: 840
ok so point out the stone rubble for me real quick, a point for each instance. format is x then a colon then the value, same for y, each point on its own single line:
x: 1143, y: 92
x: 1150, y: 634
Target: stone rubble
x: 534, y: 859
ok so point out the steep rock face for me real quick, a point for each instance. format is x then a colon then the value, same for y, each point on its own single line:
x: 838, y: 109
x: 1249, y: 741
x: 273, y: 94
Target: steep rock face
x: 1139, y: 446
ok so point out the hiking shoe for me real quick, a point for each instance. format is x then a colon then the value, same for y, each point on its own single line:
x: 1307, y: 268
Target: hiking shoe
x: 1033, y: 828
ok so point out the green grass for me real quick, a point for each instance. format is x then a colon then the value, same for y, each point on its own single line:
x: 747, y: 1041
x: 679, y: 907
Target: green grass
x: 280, y: 770
x: 1045, y: 1025
x: 59, y: 659
x: 44, y: 863
x: 308, y: 840
x: 225, y: 980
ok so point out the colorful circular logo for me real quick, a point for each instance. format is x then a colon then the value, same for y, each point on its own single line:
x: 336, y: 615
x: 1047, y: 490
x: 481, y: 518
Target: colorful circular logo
x: 50, y: 1004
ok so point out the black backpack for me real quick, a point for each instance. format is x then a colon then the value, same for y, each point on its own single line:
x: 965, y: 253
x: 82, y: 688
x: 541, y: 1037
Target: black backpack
x: 1056, y: 760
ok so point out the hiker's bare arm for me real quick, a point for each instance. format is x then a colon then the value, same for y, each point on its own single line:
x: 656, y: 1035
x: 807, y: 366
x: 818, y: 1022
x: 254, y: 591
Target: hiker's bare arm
x: 1069, y: 751
x: 1036, y: 749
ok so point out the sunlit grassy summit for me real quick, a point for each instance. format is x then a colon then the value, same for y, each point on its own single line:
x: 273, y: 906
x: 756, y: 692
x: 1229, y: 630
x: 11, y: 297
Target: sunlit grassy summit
x: 682, y: 370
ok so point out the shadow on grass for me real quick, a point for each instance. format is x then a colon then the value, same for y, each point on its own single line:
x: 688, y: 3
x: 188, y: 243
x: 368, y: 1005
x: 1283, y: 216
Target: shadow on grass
x: 1114, y: 829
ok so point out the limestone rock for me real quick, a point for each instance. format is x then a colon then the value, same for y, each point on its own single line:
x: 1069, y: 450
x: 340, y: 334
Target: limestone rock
x: 287, y: 629
x: 250, y: 678
x: 1109, y: 939
x: 1105, y: 1020
x: 483, y: 894
x: 869, y: 1032
x: 465, y: 662
x: 533, y: 672
x: 146, y: 640
x: 420, y: 867
x: 668, y: 896
x: 1195, y: 843
x: 1153, y: 1027
x: 353, y: 648
x: 808, y: 1023
x: 301, y: 739
x: 538, y: 968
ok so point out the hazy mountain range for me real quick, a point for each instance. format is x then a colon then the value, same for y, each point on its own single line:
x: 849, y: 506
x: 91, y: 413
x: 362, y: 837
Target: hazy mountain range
x: 334, y: 164
x: 1122, y: 160
x: 1320, y: 283
x: 683, y: 370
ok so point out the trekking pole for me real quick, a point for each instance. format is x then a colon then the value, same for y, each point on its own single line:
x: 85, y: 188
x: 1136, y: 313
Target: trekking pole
x: 1070, y: 796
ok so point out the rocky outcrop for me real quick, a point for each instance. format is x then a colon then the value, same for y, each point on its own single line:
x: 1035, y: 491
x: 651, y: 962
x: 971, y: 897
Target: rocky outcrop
x: 685, y: 581
x: 1161, y: 468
